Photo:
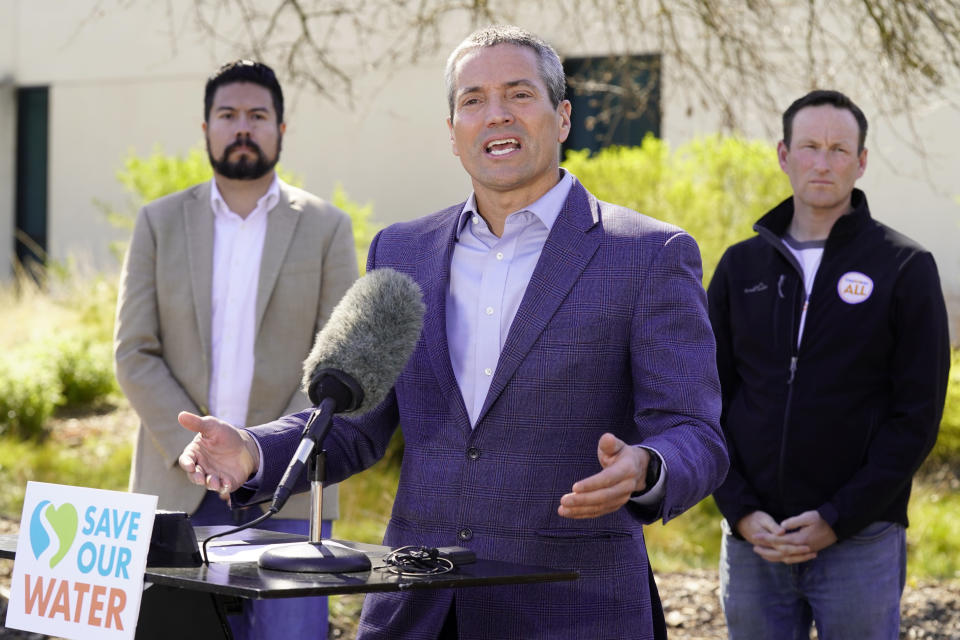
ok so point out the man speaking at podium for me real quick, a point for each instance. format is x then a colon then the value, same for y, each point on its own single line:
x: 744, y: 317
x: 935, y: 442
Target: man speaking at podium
x: 563, y: 391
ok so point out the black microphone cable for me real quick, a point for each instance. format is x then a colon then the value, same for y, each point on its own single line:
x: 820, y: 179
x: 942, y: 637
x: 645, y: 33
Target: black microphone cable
x: 283, y: 490
x: 266, y: 515
x: 416, y: 561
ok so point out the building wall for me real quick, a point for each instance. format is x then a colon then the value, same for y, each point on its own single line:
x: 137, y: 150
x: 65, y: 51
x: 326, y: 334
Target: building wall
x: 131, y: 77
x: 8, y: 138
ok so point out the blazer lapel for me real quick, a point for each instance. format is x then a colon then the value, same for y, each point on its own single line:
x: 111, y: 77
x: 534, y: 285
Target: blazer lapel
x: 570, y: 246
x: 433, y: 272
x: 198, y: 222
x: 281, y: 223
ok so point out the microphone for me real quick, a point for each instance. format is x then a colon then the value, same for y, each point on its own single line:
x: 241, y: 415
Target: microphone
x: 370, y: 336
x: 356, y: 358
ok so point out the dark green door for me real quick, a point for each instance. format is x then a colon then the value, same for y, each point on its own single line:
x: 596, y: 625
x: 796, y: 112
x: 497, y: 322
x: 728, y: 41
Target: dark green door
x: 31, y: 198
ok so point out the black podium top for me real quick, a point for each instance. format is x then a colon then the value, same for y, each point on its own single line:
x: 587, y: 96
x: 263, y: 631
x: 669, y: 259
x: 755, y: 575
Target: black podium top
x: 248, y: 580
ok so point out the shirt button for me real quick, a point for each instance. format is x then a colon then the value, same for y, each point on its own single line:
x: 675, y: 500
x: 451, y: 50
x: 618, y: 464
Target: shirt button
x: 499, y: 255
x: 476, y: 219
x: 473, y: 453
x: 488, y: 371
x: 465, y: 534
x: 489, y: 311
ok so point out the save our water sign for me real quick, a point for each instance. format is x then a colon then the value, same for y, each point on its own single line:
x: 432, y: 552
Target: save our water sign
x: 81, y: 555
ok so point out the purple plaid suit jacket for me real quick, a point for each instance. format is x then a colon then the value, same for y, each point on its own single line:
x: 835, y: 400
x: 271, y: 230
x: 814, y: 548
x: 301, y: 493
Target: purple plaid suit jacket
x: 612, y: 335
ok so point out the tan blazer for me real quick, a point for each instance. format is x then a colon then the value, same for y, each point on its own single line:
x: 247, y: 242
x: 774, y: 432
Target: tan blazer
x: 162, y: 341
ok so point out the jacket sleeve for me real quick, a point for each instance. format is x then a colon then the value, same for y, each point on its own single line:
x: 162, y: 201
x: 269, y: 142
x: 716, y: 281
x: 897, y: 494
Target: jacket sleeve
x: 141, y: 370
x: 676, y: 392
x: 735, y: 497
x: 918, y: 374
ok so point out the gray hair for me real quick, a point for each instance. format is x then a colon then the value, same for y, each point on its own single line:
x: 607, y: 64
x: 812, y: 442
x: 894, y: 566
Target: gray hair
x: 548, y: 62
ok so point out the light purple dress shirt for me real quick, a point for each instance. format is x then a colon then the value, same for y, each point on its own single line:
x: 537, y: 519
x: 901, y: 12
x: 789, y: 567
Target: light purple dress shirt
x: 488, y: 277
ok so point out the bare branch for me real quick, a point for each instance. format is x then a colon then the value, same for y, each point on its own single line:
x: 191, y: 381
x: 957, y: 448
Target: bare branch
x: 732, y: 57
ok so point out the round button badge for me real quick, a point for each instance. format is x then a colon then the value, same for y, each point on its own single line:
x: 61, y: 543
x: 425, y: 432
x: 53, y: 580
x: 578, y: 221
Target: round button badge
x: 854, y: 287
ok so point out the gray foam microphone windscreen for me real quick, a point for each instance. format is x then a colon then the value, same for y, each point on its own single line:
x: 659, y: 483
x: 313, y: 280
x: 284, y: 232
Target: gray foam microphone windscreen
x: 370, y: 334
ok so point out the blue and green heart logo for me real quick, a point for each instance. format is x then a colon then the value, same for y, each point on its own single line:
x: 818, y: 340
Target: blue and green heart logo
x: 62, y: 521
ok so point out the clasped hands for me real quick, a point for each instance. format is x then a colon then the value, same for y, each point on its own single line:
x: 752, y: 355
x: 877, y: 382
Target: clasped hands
x: 796, y: 539
x: 222, y: 457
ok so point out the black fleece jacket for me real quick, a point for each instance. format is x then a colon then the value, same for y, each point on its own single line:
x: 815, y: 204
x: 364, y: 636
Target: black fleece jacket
x: 840, y: 424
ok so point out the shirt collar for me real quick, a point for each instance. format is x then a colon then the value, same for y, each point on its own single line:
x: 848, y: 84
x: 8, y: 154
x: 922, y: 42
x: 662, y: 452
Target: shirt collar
x: 266, y: 202
x: 546, y: 208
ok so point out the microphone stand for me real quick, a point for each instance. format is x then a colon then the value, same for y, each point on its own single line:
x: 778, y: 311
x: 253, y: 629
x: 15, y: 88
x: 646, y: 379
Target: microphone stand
x: 313, y: 556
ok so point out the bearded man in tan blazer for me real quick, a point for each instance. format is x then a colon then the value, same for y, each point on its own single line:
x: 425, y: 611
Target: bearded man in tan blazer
x: 223, y: 289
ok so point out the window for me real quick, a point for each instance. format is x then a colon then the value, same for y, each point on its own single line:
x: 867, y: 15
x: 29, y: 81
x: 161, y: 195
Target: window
x: 616, y: 100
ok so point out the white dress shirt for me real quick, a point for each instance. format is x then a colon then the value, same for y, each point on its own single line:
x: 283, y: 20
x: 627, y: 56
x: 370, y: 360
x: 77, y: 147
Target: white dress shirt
x: 237, y: 250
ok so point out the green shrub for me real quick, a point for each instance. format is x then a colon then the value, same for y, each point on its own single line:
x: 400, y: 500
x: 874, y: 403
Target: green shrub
x: 361, y: 218
x: 714, y: 187
x: 56, y: 348
x: 84, y: 370
x: 692, y: 540
x: 932, y: 544
x: 28, y: 395
x: 947, y: 448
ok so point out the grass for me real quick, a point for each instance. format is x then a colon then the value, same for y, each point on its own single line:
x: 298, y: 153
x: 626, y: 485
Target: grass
x: 92, y: 449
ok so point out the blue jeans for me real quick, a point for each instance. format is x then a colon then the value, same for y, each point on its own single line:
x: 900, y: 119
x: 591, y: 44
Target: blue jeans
x: 277, y: 618
x: 851, y: 589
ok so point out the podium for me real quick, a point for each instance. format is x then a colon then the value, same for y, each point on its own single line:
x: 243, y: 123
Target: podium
x: 192, y: 601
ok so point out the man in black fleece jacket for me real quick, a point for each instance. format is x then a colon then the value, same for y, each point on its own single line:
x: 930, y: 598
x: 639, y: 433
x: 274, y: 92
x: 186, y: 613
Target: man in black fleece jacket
x: 833, y: 353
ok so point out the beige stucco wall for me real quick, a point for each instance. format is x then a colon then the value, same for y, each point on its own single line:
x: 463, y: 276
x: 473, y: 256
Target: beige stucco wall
x: 133, y: 77
x: 7, y: 134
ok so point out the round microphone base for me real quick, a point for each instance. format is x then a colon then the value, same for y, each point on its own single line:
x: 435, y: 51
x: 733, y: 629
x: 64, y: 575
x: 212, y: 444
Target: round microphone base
x: 314, y: 557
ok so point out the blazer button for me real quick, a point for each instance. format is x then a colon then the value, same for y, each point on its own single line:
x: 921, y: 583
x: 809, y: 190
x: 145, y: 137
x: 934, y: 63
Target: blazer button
x: 473, y: 453
x: 465, y: 534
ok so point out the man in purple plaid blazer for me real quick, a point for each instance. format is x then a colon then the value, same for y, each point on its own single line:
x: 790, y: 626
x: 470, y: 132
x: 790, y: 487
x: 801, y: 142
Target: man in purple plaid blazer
x: 563, y: 391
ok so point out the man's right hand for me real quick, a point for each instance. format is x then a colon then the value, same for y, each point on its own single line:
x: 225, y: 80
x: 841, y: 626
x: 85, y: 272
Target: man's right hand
x: 220, y: 457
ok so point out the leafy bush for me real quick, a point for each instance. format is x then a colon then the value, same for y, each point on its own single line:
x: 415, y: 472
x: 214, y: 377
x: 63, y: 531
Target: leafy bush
x: 361, y: 217
x: 714, y: 187
x: 691, y: 540
x: 154, y: 176
x: 934, y: 514
x: 56, y: 348
x: 84, y: 370
x: 947, y: 448
x: 28, y: 395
